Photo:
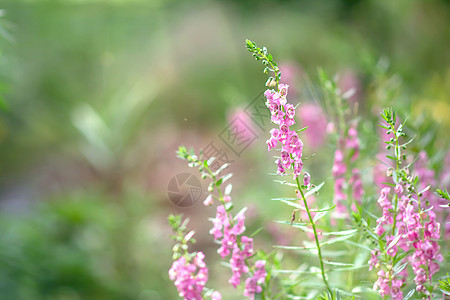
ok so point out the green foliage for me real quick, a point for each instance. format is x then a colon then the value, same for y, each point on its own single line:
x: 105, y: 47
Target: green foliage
x: 444, y: 285
x: 267, y: 60
x: 82, y: 246
x: 443, y: 194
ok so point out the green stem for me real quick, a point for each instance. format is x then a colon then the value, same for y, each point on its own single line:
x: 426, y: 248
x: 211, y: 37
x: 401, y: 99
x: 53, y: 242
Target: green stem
x: 272, y: 66
x: 315, y: 236
x: 397, y: 153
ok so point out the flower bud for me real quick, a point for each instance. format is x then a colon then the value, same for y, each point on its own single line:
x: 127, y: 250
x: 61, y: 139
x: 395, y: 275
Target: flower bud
x: 306, y: 179
x: 271, y: 82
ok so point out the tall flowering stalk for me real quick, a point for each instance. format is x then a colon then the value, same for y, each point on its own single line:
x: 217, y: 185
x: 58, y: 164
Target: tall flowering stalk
x: 188, y: 272
x: 283, y: 115
x: 428, y: 178
x: 228, y: 229
x: 348, y: 188
x: 407, y: 231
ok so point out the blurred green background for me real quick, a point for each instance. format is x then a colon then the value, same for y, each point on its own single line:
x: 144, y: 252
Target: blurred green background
x: 96, y: 96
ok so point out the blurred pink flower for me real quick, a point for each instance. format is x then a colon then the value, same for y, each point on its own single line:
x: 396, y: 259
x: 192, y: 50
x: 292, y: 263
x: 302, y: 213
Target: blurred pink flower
x: 246, y: 131
x: 290, y: 73
x: 311, y: 115
x: 445, y: 175
x: 349, y: 80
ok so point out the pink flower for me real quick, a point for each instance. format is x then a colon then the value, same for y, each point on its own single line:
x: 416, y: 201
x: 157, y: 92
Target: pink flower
x: 339, y: 194
x: 352, y: 142
x: 306, y: 179
x: 282, y: 114
x: 356, y: 183
x: 291, y: 73
x: 238, y: 266
x: 189, y: 278
x: 374, y: 259
x: 290, y: 110
x: 271, y: 143
x: 248, y: 246
x: 252, y: 284
x: 339, y: 167
x: 229, y: 232
x: 243, y: 125
x: 383, y: 200
x: 348, y: 80
x: 216, y: 296
x: 396, y: 292
x: 312, y: 116
x: 283, y: 88
x: 382, y: 284
x: 280, y: 165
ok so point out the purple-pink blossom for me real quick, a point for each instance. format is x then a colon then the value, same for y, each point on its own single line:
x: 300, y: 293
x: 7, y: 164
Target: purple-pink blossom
x: 312, y: 116
x: 229, y: 233
x: 189, y: 277
x: 283, y: 115
x: 424, y: 259
x: 346, y: 148
x: 253, y: 284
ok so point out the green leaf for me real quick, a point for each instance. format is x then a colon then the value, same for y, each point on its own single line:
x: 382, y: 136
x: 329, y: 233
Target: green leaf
x: 286, y: 183
x: 338, y: 263
x: 228, y: 189
x: 210, y: 161
x: 398, y: 269
x: 409, y: 295
x: 294, y: 247
x: 322, y: 209
x: 349, y: 268
x: 293, y: 204
x: 226, y: 177
x: 294, y: 272
x: 228, y: 206
x: 359, y: 245
x: 314, y: 190
x: 284, y: 199
x: 443, y: 194
x: 256, y: 231
x: 319, y: 215
x: 391, y: 157
x: 301, y: 226
x: 337, y: 239
x: 343, y: 232
x: 393, y: 242
x: 408, y: 142
x: 223, y: 167
x: 363, y: 289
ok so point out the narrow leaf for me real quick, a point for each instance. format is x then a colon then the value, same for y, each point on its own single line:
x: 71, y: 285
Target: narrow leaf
x: 228, y: 189
x: 314, y: 190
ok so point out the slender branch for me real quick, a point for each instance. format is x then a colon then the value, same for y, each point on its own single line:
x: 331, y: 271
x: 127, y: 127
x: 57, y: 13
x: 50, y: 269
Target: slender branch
x: 315, y: 236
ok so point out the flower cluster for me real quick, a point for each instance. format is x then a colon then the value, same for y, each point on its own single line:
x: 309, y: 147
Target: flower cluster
x: 312, y: 116
x: 190, y: 277
x: 388, y: 283
x: 428, y: 178
x: 339, y: 172
x: 227, y: 231
x: 253, y: 284
x: 425, y: 244
x: 406, y: 224
x: 387, y: 286
x: 283, y: 115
